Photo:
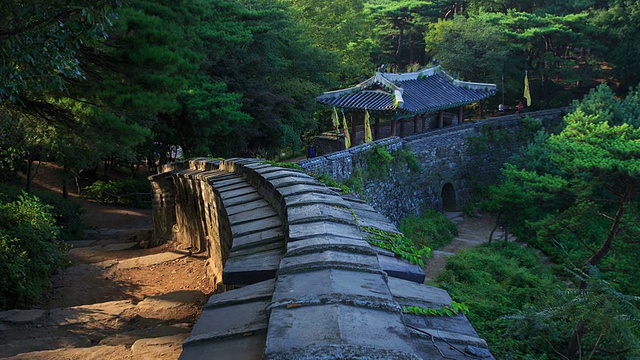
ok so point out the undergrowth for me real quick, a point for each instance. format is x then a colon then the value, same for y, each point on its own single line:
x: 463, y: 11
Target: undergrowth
x: 430, y: 228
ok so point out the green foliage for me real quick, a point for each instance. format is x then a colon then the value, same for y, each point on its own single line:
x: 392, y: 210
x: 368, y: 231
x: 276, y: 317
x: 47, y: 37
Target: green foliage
x: 331, y: 182
x: 67, y: 214
x: 30, y: 250
x: 430, y: 229
x: 356, y: 181
x: 378, y: 161
x: 471, y: 48
x: 620, y: 22
x: 497, y: 280
x: 343, y: 29
x: 447, y: 310
x: 61, y: 29
x: 409, y: 158
x: 398, y: 244
x: 612, y: 316
x: 578, y: 203
x: 399, y: 30
x: 286, y: 165
x: 278, y: 73
x: 131, y: 192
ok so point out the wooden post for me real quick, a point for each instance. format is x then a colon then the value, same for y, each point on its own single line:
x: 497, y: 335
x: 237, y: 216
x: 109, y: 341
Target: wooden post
x: 393, y: 126
x: 424, y: 121
x: 353, y: 131
x: 461, y: 114
x: 481, y: 111
x: 376, y: 129
x: 441, y: 119
x: 415, y: 123
x: 402, y: 127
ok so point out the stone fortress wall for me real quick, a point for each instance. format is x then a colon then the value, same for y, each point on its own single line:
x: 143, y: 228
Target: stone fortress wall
x: 451, y: 169
x: 301, y: 280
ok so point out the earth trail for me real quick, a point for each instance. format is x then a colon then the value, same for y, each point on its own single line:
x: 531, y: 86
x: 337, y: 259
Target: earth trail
x: 118, y: 300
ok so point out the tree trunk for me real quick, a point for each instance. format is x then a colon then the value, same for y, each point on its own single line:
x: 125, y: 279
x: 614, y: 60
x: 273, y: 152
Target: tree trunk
x: 400, y: 45
x: 494, y: 228
x: 573, y: 350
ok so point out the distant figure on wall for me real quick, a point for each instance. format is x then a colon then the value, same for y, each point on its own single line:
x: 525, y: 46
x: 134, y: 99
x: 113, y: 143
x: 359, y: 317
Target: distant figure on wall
x: 312, y: 151
x: 519, y: 107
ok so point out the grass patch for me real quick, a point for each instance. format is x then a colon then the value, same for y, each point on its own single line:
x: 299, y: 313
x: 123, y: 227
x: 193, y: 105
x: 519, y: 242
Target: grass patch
x: 429, y: 229
x: 496, y: 280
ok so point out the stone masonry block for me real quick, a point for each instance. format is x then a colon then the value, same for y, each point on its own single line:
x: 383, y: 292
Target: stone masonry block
x: 322, y: 228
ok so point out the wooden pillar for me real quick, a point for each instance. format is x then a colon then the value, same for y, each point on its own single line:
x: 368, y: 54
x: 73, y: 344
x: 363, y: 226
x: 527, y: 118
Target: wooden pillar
x: 424, y: 121
x: 441, y: 119
x: 415, y: 123
x: 402, y: 127
x: 481, y: 110
x: 353, y: 131
x: 393, y: 126
x: 461, y: 114
x: 376, y: 129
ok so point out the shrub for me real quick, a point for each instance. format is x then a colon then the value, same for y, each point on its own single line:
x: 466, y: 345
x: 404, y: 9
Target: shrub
x: 66, y: 212
x: 378, y: 162
x: 30, y: 250
x: 431, y: 229
x: 130, y: 192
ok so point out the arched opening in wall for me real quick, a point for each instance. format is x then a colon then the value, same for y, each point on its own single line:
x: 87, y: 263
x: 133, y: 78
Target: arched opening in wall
x: 449, y: 202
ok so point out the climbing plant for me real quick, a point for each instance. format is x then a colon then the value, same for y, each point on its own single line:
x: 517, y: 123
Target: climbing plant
x: 398, y: 244
x: 449, y: 310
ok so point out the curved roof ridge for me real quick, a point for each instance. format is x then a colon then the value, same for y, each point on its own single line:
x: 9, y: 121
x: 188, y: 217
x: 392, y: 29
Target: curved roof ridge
x: 426, y: 90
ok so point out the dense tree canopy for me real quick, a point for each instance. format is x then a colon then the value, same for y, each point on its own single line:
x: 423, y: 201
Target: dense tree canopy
x: 125, y: 81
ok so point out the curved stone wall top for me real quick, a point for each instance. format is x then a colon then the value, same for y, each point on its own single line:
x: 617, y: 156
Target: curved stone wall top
x: 333, y: 296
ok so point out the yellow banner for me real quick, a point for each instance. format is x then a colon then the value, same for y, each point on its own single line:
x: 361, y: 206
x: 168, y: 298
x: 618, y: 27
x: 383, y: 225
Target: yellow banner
x: 367, y: 127
x: 335, y: 120
x: 527, y: 92
x: 347, y: 139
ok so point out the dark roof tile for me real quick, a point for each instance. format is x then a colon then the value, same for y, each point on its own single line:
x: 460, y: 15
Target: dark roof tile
x: 420, y: 93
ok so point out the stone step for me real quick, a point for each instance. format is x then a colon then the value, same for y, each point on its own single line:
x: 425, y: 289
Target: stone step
x: 255, y: 226
x: 142, y: 261
x: 252, y: 268
x: 246, y: 206
x: 129, y: 337
x: 243, y: 199
x: 257, y: 239
x: 233, y: 193
x: 252, y: 214
x: 453, y: 214
x: 401, y: 269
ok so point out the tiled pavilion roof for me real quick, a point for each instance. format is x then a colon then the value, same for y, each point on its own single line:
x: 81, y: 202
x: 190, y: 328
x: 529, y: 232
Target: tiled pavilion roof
x: 427, y: 90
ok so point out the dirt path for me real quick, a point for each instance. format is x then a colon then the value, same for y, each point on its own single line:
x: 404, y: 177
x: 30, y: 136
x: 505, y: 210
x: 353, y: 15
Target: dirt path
x: 472, y: 231
x: 117, y: 301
